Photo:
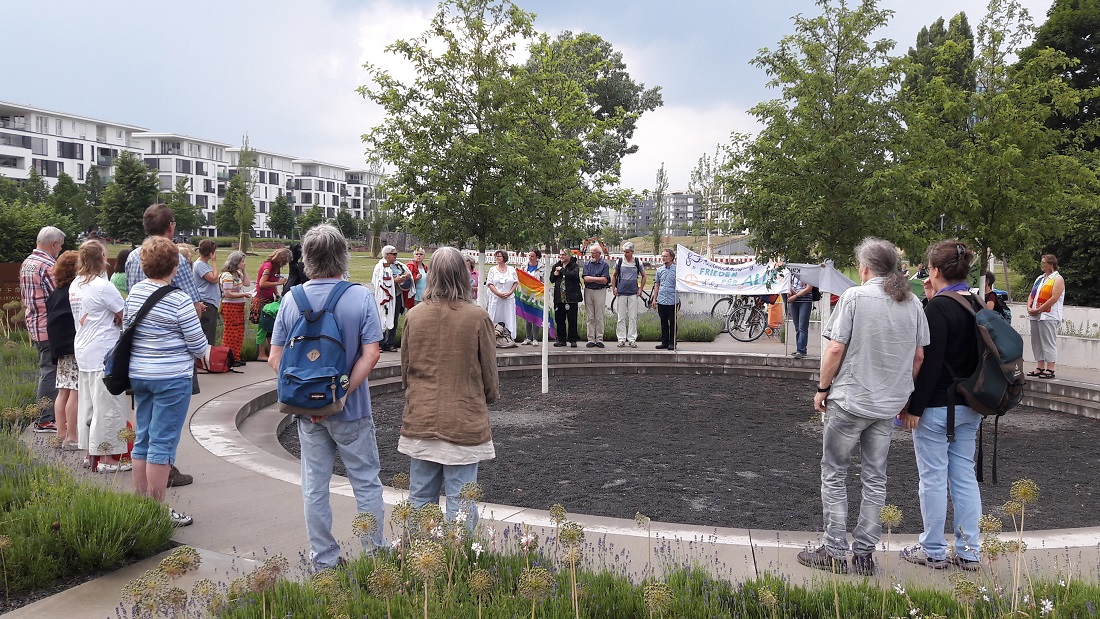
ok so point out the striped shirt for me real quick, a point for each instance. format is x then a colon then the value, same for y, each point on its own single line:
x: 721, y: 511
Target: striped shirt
x: 168, y: 339
x: 184, y: 279
x: 35, y: 284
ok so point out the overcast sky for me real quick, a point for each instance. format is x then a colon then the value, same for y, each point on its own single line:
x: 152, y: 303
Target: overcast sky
x: 285, y: 71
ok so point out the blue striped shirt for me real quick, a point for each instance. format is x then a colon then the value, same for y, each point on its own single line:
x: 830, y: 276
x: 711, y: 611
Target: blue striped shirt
x: 168, y: 339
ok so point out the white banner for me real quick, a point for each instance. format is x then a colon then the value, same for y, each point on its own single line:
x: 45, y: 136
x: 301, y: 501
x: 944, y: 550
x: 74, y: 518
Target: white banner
x: 694, y: 273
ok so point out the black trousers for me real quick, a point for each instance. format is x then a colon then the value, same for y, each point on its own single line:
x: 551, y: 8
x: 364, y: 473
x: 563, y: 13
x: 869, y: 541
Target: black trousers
x: 668, y: 324
x: 564, y: 318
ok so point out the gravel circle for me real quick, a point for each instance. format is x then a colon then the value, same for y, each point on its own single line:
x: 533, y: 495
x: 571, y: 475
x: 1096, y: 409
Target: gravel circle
x: 729, y: 451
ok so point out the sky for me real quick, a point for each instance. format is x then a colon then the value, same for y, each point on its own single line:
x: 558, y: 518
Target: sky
x: 285, y: 72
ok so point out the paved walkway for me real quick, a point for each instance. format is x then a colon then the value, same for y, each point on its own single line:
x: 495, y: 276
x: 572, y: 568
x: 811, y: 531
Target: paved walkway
x: 246, y: 502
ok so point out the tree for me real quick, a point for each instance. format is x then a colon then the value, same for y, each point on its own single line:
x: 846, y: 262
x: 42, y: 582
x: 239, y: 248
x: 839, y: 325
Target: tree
x: 449, y: 133
x: 657, y: 228
x: 10, y: 191
x: 806, y: 185
x: 312, y: 217
x: 67, y: 198
x: 35, y: 190
x: 244, y: 209
x: 345, y: 223
x: 20, y: 223
x: 93, y: 199
x: 923, y: 63
x: 706, y: 182
x: 611, y: 235
x: 280, y: 218
x: 227, y: 217
x: 188, y: 217
x: 134, y: 189
x: 986, y: 158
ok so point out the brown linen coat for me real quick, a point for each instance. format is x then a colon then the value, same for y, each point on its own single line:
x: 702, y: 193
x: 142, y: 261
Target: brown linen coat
x: 449, y: 371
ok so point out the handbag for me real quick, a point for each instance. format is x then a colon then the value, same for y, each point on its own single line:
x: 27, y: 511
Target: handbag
x: 116, y: 364
x: 255, y: 310
x: 222, y: 360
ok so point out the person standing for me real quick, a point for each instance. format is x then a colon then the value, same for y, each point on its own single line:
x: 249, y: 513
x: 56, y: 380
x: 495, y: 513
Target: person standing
x: 35, y: 284
x: 351, y: 431
x: 61, y: 331
x: 800, y: 302
x: 234, y: 281
x: 449, y: 372
x: 419, y: 270
x: 160, y: 220
x: 502, y: 281
x: 206, y: 280
x: 474, y: 280
x: 566, y: 277
x: 876, y: 345
x: 295, y: 271
x: 627, y: 284
x: 944, y: 465
x: 664, y: 299
x: 596, y: 276
x: 97, y: 308
x: 1044, y: 310
x: 268, y: 283
x: 118, y: 278
x: 386, y: 282
x: 534, y: 266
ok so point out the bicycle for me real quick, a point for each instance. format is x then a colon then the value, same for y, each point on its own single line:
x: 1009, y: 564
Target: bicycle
x: 647, y: 297
x: 748, y: 319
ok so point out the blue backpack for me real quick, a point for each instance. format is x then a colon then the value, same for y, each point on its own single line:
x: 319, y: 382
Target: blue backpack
x: 313, y: 371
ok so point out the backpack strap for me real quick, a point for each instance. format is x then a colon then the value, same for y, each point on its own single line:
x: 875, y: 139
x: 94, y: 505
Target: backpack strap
x: 334, y: 295
x: 146, y: 307
x: 968, y: 303
x: 306, y: 310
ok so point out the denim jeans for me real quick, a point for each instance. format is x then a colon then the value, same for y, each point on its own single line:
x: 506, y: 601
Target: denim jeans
x: 47, y: 380
x: 358, y: 449
x: 843, y: 431
x: 800, y: 313
x: 948, y: 468
x: 161, y: 410
x: 426, y: 478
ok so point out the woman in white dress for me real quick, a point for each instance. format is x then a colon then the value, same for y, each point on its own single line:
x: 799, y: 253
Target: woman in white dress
x: 502, y: 281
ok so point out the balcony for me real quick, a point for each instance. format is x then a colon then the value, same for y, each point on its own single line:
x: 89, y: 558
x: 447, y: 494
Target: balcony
x: 344, y: 193
x: 289, y: 184
x: 223, y: 175
x: 290, y: 199
x: 105, y: 161
x: 11, y: 124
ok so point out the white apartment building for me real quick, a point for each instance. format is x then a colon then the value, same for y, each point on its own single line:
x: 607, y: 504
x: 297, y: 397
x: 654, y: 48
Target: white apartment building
x: 317, y: 183
x: 272, y: 177
x: 364, y: 194
x: 55, y: 142
x: 203, y: 162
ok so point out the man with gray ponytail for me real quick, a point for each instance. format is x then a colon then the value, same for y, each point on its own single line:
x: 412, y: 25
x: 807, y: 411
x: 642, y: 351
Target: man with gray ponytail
x: 876, y: 345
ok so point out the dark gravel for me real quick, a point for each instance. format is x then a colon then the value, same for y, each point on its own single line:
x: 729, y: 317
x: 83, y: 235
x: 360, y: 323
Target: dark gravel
x: 727, y: 451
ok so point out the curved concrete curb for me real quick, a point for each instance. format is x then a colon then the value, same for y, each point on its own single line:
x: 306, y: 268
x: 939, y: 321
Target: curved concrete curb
x: 227, y: 427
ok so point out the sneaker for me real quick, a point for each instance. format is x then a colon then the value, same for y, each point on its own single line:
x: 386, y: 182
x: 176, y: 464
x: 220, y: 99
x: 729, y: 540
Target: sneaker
x: 590, y: 345
x: 671, y: 349
x: 176, y: 478
x: 114, y: 467
x: 67, y: 446
x: 799, y: 355
x: 916, y: 554
x: 821, y: 560
x: 599, y: 344
x: 969, y: 565
x: 559, y: 344
x: 46, y: 427
x: 572, y: 344
x: 179, y: 519
x: 864, y: 565
x: 632, y: 344
x: 661, y: 346
x: 622, y: 344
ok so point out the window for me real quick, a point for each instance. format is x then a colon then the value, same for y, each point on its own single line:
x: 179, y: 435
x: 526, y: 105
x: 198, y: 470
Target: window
x: 208, y: 185
x: 307, y: 198
x: 200, y: 168
x: 273, y: 178
x: 201, y: 201
x: 183, y: 166
x: 40, y: 146
x: 70, y: 150
x: 303, y: 183
x: 170, y: 148
x: 80, y: 171
x: 263, y: 206
x: 20, y: 141
x: 57, y: 127
x: 261, y: 177
x: 330, y: 187
x: 11, y: 161
x: 45, y: 167
x: 166, y: 182
x: 41, y: 124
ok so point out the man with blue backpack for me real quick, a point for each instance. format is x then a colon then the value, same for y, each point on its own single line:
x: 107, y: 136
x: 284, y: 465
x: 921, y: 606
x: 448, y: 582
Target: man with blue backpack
x: 324, y: 345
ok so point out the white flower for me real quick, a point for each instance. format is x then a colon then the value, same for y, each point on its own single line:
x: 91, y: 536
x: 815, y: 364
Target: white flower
x: 1048, y: 607
x: 985, y: 598
x: 1062, y: 583
x: 1027, y: 598
x: 489, y: 532
x: 526, y: 540
x: 914, y: 612
x: 396, y: 545
x: 460, y: 517
x: 899, y: 589
x: 437, y: 532
x: 477, y: 548
x: 983, y: 589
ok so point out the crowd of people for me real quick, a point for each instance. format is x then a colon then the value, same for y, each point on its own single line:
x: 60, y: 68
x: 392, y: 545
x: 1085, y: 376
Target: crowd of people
x: 889, y: 360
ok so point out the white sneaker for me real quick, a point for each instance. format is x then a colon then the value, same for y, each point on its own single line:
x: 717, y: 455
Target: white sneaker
x: 117, y: 467
x: 179, y: 519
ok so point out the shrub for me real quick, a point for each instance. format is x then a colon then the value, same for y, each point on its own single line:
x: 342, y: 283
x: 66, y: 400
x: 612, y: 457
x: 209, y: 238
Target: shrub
x: 690, y: 327
x: 19, y: 226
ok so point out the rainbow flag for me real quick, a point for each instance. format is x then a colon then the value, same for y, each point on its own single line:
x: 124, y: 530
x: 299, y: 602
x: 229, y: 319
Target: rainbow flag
x: 529, y: 301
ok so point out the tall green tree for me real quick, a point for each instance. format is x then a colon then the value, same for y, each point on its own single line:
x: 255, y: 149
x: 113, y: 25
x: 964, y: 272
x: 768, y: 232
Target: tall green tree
x: 134, y: 189
x: 67, y: 198
x: 706, y: 182
x: 244, y: 209
x: 35, y: 189
x: 20, y: 223
x: 10, y: 191
x: 449, y: 133
x: 805, y: 186
x: 312, y: 217
x: 345, y: 223
x: 925, y: 62
x: 660, y: 217
x: 189, y: 217
x: 93, y: 199
x: 985, y: 161
x: 280, y: 218
x: 227, y: 217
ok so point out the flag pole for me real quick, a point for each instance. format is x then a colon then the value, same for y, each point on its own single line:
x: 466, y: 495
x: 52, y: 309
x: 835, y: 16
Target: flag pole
x: 546, y: 324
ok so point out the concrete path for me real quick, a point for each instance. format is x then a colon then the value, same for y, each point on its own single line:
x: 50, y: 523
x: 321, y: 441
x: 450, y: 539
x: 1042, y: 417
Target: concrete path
x: 246, y: 502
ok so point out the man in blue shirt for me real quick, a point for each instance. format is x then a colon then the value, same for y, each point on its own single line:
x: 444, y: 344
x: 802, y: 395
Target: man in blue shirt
x: 596, y: 276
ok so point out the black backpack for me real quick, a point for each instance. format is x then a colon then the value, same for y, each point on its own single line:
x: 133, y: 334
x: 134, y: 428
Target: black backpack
x: 997, y: 383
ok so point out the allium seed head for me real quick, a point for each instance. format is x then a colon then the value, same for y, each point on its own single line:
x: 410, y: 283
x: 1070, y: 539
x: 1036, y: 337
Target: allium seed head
x: 204, y: 589
x: 641, y: 520
x: 364, y: 524
x: 54, y: 441
x: 403, y: 513
x: 175, y: 599
x: 5, y: 542
x: 481, y: 582
x: 400, y: 481
x: 571, y: 533
x: 535, y: 583
x: 658, y: 597
x: 427, y: 559
x: 767, y: 597
x: 890, y: 515
x: 384, y: 581
x: 1012, y: 508
x: 557, y: 513
x: 990, y: 524
x: 1024, y: 491
x: 471, y: 491
x: 126, y: 435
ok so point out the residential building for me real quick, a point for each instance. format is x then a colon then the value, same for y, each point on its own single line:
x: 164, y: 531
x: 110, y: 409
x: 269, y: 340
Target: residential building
x: 55, y: 142
x: 272, y: 176
x: 364, y: 194
x: 202, y: 162
x: 317, y: 183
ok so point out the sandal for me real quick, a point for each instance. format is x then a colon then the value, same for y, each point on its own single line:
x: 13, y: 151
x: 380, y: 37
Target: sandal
x: 1037, y: 372
x: 1047, y: 374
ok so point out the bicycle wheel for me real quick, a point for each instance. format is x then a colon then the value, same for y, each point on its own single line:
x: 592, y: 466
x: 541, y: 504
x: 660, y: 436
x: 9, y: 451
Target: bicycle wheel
x: 758, y: 322
x: 746, y: 324
x: 721, y: 309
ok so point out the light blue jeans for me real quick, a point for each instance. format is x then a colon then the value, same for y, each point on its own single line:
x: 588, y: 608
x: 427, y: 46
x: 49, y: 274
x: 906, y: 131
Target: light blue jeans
x: 843, y: 431
x: 358, y: 449
x: 427, y: 478
x: 161, y: 410
x: 948, y: 468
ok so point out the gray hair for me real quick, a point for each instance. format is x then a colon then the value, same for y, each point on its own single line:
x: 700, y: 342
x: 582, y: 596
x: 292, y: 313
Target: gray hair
x: 881, y: 258
x: 628, y: 245
x: 50, y: 234
x: 233, y: 262
x: 325, y: 252
x: 388, y: 249
x: 448, y: 279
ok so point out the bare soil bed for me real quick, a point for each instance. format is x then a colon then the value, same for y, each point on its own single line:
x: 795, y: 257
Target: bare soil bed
x: 727, y: 451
